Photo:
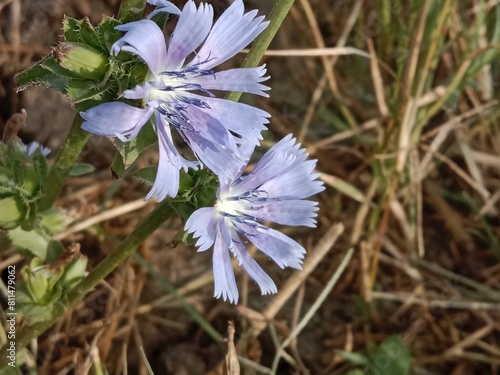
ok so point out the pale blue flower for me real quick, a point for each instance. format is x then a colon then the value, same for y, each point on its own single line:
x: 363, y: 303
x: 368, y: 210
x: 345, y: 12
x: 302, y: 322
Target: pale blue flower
x: 274, y: 191
x: 178, y: 93
x: 31, y: 148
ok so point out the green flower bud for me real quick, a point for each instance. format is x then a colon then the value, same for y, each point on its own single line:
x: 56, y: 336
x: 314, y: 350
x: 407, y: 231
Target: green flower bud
x: 73, y: 273
x: 82, y: 60
x: 13, y: 210
x: 40, y: 283
x: 29, y: 178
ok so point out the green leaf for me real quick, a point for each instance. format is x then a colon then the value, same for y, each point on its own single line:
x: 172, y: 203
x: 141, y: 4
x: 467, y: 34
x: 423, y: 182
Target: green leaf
x: 81, y: 169
x: 146, y: 175
x: 391, y: 358
x: 355, y: 358
x: 356, y: 372
x: 39, y: 75
x: 128, y: 152
x: 35, y: 244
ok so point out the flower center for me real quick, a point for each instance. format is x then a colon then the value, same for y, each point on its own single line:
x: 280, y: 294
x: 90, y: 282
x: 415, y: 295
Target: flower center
x: 245, y: 207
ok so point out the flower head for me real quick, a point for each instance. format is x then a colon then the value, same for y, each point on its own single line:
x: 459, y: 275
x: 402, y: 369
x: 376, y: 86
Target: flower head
x: 31, y: 148
x: 274, y: 191
x: 178, y: 93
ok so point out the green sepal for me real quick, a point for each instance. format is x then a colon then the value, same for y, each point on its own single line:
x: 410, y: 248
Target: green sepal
x: 40, y: 283
x: 41, y: 165
x: 160, y: 19
x: 203, y: 194
x: 53, y: 221
x: 29, y: 222
x: 73, y: 273
x: 85, y: 94
x: 186, y: 181
x: 29, y: 178
x: 107, y: 33
x: 89, y: 36
x: 52, y: 65
x: 184, y: 237
x: 71, y: 30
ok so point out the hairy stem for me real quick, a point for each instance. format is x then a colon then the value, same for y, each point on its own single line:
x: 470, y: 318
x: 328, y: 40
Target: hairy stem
x: 66, y: 159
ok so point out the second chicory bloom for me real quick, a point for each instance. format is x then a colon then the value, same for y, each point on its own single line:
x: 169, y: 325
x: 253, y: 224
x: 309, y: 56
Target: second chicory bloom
x: 274, y: 191
x: 31, y: 148
x: 178, y: 93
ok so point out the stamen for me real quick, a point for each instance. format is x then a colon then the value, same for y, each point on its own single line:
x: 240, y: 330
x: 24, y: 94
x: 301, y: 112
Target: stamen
x: 195, y: 102
x: 241, y: 178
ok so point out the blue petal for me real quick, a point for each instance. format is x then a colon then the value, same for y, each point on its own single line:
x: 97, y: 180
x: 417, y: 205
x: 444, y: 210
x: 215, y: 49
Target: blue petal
x: 115, y: 119
x: 287, y: 212
x: 213, y: 144
x: 202, y: 223
x: 282, y: 157
x: 232, y: 32
x: 225, y: 283
x: 239, y: 79
x: 31, y: 148
x: 170, y: 163
x: 280, y: 248
x: 191, y: 30
x: 163, y: 6
x: 145, y: 39
x: 242, y: 119
x: 298, y: 182
x: 251, y: 267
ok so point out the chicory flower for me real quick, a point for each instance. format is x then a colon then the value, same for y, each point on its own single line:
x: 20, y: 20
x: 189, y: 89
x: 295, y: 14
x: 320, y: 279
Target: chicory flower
x: 178, y: 93
x: 274, y: 191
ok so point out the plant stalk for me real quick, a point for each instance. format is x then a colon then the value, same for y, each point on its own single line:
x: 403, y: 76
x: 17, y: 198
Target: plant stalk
x: 159, y: 215
x: 262, y: 42
x: 66, y: 159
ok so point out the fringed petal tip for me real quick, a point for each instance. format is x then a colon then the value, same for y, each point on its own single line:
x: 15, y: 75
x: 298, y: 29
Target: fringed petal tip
x: 163, y: 6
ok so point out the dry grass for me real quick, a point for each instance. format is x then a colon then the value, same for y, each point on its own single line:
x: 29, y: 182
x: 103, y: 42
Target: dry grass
x: 398, y: 104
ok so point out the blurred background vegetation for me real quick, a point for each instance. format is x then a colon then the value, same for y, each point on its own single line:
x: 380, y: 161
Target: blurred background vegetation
x: 398, y: 101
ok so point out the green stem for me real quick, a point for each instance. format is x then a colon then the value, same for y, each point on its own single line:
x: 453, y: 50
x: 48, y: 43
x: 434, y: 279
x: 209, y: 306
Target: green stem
x: 66, y: 159
x: 146, y: 228
x: 160, y: 214
x: 131, y: 10
x: 262, y: 42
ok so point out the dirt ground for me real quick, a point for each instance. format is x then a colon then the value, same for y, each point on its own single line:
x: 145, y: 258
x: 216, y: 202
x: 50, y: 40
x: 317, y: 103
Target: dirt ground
x: 444, y: 303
